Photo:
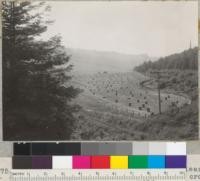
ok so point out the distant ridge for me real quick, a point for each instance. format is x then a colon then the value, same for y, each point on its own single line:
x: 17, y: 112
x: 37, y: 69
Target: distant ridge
x: 92, y: 61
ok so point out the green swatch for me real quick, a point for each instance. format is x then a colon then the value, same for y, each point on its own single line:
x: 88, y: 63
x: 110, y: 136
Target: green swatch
x: 139, y: 161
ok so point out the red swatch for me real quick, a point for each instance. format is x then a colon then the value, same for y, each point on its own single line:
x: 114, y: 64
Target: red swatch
x: 101, y: 162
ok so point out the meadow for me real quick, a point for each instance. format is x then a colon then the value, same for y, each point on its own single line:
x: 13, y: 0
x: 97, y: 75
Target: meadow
x: 114, y: 106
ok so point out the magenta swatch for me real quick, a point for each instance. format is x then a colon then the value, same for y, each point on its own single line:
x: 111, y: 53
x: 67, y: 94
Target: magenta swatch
x: 81, y: 162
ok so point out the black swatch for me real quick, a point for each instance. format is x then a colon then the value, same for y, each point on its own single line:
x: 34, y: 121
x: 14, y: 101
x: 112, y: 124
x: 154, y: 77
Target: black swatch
x: 22, y: 149
x: 22, y: 162
x: 56, y: 149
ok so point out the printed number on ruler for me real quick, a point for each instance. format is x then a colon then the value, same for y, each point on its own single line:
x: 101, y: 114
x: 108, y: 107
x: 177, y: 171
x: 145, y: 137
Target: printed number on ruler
x: 4, y: 174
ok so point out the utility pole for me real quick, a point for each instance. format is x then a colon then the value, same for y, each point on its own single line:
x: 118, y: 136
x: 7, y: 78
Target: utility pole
x: 159, y: 99
x: 158, y: 87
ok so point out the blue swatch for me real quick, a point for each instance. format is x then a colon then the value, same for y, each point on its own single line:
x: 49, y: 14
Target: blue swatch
x: 156, y: 161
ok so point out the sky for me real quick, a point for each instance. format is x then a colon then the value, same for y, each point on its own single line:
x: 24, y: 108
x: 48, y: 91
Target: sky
x: 132, y: 27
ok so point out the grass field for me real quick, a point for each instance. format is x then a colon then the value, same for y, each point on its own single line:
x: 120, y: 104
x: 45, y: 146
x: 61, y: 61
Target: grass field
x: 114, y: 106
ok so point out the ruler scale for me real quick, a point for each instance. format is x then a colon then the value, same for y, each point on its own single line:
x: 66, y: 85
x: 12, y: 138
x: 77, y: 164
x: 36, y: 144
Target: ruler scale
x: 94, y: 175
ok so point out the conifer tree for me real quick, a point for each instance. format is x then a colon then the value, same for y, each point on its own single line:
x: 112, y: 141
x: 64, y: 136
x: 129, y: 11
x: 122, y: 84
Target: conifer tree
x: 35, y: 96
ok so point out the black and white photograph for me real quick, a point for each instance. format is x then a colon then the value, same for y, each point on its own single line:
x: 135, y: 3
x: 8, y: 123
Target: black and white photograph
x: 99, y: 70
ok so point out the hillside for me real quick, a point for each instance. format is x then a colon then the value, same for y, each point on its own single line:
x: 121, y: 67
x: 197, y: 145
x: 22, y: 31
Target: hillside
x: 92, y: 61
x: 115, y: 107
x: 178, y: 75
x: 187, y: 59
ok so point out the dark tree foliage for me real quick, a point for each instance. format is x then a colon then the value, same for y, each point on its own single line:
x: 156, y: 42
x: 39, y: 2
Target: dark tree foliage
x: 35, y: 100
x: 187, y: 59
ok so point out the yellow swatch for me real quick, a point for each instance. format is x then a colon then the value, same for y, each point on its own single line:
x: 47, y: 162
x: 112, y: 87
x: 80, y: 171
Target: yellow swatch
x: 119, y: 162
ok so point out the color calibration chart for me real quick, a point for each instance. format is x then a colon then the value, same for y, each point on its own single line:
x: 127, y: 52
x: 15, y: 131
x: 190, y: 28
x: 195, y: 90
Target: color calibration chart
x: 100, y: 161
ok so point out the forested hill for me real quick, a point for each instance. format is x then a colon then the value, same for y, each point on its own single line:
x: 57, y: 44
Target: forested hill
x: 187, y: 59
